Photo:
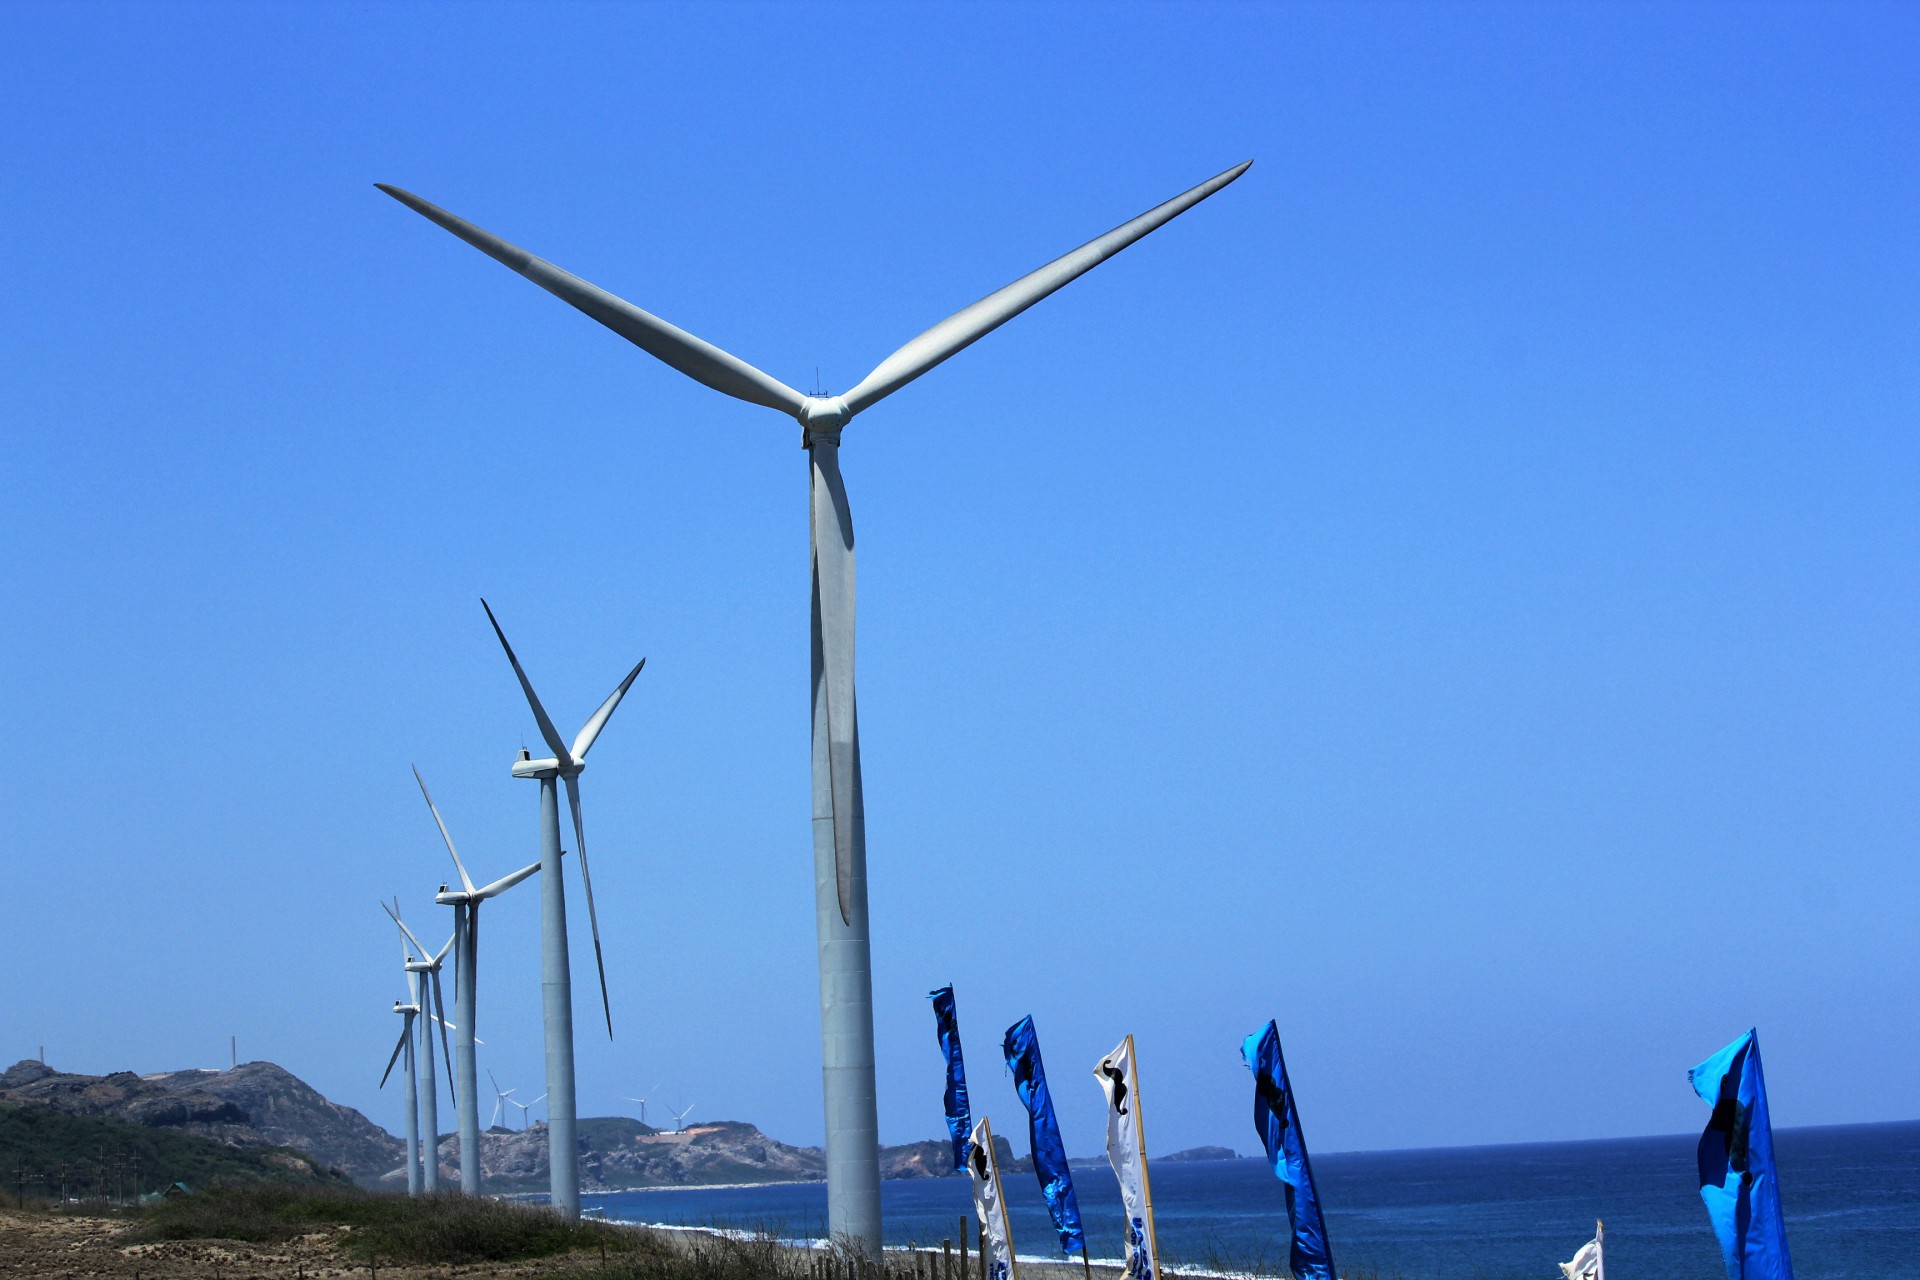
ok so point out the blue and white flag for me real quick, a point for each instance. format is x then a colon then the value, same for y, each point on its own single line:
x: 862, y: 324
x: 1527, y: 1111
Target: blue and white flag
x: 1127, y: 1153
x: 1049, y: 1153
x: 1736, y: 1163
x: 959, y: 1119
x: 989, y: 1204
x: 1278, y: 1123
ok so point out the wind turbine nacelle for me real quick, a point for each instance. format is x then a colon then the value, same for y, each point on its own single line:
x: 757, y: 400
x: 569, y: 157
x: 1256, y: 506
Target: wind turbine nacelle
x: 450, y: 897
x: 548, y: 768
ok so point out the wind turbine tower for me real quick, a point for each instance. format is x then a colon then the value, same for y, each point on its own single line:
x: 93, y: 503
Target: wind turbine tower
x: 425, y: 977
x: 839, y: 823
x: 465, y: 902
x: 556, y: 978
x: 405, y: 1048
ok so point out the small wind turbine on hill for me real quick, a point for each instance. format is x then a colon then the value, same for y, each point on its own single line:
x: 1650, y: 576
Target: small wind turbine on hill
x: 501, y: 1097
x: 425, y: 975
x: 526, y: 1107
x: 556, y: 980
x: 405, y: 1049
x: 465, y: 902
x: 839, y: 821
x: 643, y: 1103
x: 680, y: 1119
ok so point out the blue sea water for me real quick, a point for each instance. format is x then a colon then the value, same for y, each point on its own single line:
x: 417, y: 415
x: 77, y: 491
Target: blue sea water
x: 1852, y: 1197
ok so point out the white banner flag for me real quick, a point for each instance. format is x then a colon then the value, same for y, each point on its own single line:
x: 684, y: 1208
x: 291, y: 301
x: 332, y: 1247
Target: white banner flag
x: 1127, y: 1153
x: 985, y: 1168
x: 1589, y: 1263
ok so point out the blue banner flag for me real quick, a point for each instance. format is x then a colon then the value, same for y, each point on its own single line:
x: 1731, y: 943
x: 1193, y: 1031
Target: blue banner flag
x: 1278, y: 1123
x: 1049, y: 1153
x: 959, y: 1121
x: 1736, y: 1163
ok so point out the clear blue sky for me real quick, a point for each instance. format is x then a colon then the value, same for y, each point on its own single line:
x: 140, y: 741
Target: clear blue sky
x: 1455, y: 591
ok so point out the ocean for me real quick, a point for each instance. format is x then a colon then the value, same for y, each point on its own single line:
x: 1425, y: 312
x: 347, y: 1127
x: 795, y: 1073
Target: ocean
x: 1851, y: 1194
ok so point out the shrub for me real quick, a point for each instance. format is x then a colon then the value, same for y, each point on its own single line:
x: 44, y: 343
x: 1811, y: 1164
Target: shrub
x: 445, y: 1228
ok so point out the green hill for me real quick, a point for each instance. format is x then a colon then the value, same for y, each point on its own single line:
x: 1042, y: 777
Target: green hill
x: 55, y: 1155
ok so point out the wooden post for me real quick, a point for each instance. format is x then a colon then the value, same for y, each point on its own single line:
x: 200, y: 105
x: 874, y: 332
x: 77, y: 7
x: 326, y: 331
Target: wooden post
x: 946, y: 1258
x: 1086, y: 1267
x: 966, y: 1273
x: 983, y: 1251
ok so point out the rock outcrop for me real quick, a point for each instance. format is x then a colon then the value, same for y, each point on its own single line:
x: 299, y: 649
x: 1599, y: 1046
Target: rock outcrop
x: 255, y: 1105
x: 259, y: 1104
x: 287, y: 1111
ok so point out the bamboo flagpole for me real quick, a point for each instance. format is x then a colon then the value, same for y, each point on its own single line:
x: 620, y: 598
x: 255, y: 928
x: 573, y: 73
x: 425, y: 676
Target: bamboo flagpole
x: 1117, y: 1074
x: 996, y: 1247
x: 1590, y: 1262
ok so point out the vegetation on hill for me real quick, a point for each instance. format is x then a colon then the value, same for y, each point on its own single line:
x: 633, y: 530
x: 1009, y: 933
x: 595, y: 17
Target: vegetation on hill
x: 440, y: 1229
x: 55, y: 1155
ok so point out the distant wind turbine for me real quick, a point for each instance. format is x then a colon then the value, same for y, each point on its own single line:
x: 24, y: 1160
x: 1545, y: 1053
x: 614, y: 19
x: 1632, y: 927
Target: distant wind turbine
x: 643, y: 1103
x: 465, y: 902
x: 501, y: 1097
x: 405, y: 1048
x: 526, y: 1107
x: 680, y: 1119
x: 839, y: 821
x: 556, y: 980
x: 426, y: 994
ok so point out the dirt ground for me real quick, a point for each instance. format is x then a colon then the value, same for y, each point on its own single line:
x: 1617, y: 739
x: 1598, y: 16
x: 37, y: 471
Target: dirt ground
x: 55, y: 1246
x: 62, y: 1247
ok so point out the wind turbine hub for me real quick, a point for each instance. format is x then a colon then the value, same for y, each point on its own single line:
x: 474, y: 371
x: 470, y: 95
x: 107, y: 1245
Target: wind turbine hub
x: 822, y: 418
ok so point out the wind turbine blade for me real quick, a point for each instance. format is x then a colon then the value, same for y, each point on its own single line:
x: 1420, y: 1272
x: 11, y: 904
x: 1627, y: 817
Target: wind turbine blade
x: 699, y: 360
x: 580, y: 843
x: 547, y: 731
x: 965, y: 327
x: 833, y: 600
x: 505, y: 883
x: 406, y: 1029
x: 394, y: 912
x: 440, y: 1016
x: 457, y: 865
x: 591, y: 730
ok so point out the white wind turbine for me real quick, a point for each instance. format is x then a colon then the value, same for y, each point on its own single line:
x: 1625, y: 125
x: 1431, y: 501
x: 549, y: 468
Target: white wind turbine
x: 501, y: 1097
x: 425, y: 975
x: 408, y: 1012
x: 680, y: 1118
x: 526, y: 1107
x: 643, y: 1103
x: 839, y: 823
x: 556, y: 980
x: 465, y: 902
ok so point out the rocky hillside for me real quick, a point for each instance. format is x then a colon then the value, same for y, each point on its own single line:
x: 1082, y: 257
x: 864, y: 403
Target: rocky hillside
x: 288, y: 1112
x: 616, y: 1153
x: 255, y: 1105
x: 1202, y: 1153
x: 260, y: 1105
x: 58, y: 1154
